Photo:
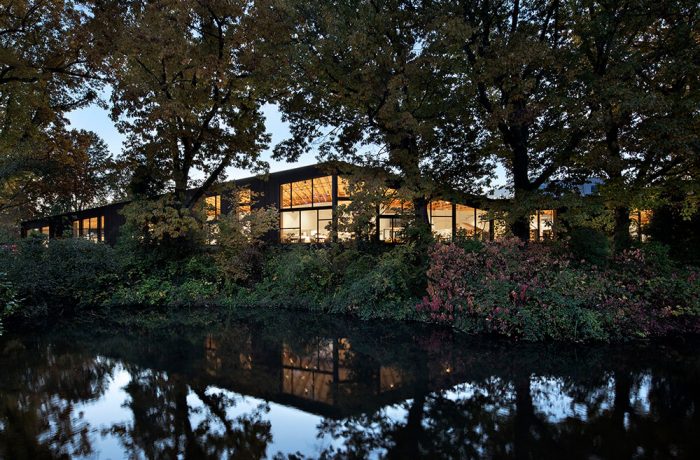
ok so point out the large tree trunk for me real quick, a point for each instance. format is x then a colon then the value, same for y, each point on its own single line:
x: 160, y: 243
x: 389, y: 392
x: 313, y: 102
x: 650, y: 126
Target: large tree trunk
x: 404, y: 154
x: 621, y: 230
x: 621, y: 233
x: 516, y: 137
x: 520, y: 225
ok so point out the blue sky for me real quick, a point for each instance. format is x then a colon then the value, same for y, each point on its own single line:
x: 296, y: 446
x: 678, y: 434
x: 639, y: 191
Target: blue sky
x: 96, y: 119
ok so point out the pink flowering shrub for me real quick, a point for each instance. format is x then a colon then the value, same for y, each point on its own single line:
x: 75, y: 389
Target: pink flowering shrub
x: 534, y: 292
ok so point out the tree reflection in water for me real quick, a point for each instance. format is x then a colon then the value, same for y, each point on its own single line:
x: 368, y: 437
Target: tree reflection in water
x: 410, y: 393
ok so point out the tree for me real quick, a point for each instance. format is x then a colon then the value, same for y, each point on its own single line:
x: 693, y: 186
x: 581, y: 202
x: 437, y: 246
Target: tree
x: 517, y: 72
x: 639, y: 74
x: 372, y: 75
x: 79, y: 174
x: 241, y: 236
x: 188, y: 83
x: 45, y: 72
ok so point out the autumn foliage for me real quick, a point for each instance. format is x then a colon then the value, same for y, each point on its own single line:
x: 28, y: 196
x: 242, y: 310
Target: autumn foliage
x: 537, y: 292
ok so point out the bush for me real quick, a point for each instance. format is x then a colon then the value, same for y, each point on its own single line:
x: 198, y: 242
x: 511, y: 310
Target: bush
x: 195, y: 281
x: 534, y: 293
x: 8, y: 298
x: 589, y: 245
x: 340, y: 279
x: 62, y: 276
x: 296, y: 276
x: 379, y: 287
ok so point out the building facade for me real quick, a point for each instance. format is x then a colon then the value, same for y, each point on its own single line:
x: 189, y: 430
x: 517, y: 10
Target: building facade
x: 310, y: 201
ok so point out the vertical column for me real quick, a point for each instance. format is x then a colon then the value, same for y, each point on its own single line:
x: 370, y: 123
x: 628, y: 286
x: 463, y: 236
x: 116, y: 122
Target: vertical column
x: 334, y: 203
x: 454, y: 221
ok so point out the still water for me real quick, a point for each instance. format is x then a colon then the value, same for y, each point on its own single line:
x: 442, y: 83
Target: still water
x: 291, y: 386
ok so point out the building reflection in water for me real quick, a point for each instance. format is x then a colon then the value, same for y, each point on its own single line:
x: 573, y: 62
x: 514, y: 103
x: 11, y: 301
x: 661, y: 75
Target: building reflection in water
x: 326, y: 370
x: 230, y: 391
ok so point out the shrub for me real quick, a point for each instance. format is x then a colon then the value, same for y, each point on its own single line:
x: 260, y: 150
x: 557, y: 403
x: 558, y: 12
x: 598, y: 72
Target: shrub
x: 589, y: 245
x: 60, y: 276
x: 297, y: 276
x: 241, y: 243
x: 534, y: 293
x: 379, y: 287
x: 8, y: 298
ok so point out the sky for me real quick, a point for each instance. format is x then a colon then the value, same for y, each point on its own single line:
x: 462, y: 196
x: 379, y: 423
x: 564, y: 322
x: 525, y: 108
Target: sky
x: 96, y: 119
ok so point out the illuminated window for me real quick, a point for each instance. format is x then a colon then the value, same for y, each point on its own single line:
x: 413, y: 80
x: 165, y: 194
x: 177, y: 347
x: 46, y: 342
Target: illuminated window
x: 639, y: 220
x: 542, y: 225
x: 244, y: 202
x: 302, y: 194
x: 286, y: 196
x: 466, y: 220
x: 90, y: 229
x: 393, y: 204
x: 307, y: 193
x: 345, y: 221
x: 213, y: 206
x: 306, y: 226
x: 39, y: 230
x: 343, y: 188
x: 546, y: 224
x: 482, y: 223
x: 534, y: 234
x: 441, y: 219
x: 323, y: 191
x: 391, y: 229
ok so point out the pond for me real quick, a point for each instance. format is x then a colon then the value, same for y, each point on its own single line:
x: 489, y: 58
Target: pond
x: 296, y: 386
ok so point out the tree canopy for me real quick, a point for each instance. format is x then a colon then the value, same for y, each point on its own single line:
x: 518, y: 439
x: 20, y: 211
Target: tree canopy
x: 435, y: 93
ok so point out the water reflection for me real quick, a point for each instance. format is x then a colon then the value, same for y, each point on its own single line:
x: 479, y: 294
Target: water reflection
x: 288, y: 387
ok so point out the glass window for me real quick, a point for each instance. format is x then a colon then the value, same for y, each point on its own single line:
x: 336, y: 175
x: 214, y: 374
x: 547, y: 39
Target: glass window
x: 289, y: 235
x: 309, y: 226
x: 441, y: 219
x: 482, y: 223
x: 301, y: 194
x: 289, y: 227
x: 534, y: 226
x: 466, y: 219
x: 213, y: 207
x: 345, y: 220
x: 343, y: 188
x: 286, y: 196
x: 546, y: 224
x: 325, y: 222
x: 323, y: 191
x: 638, y: 221
x: 307, y: 193
x: 442, y: 227
x: 244, y: 202
x: 76, y: 228
x: 542, y: 225
x: 393, y: 204
x: 90, y: 229
x: 290, y: 220
x: 390, y: 229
